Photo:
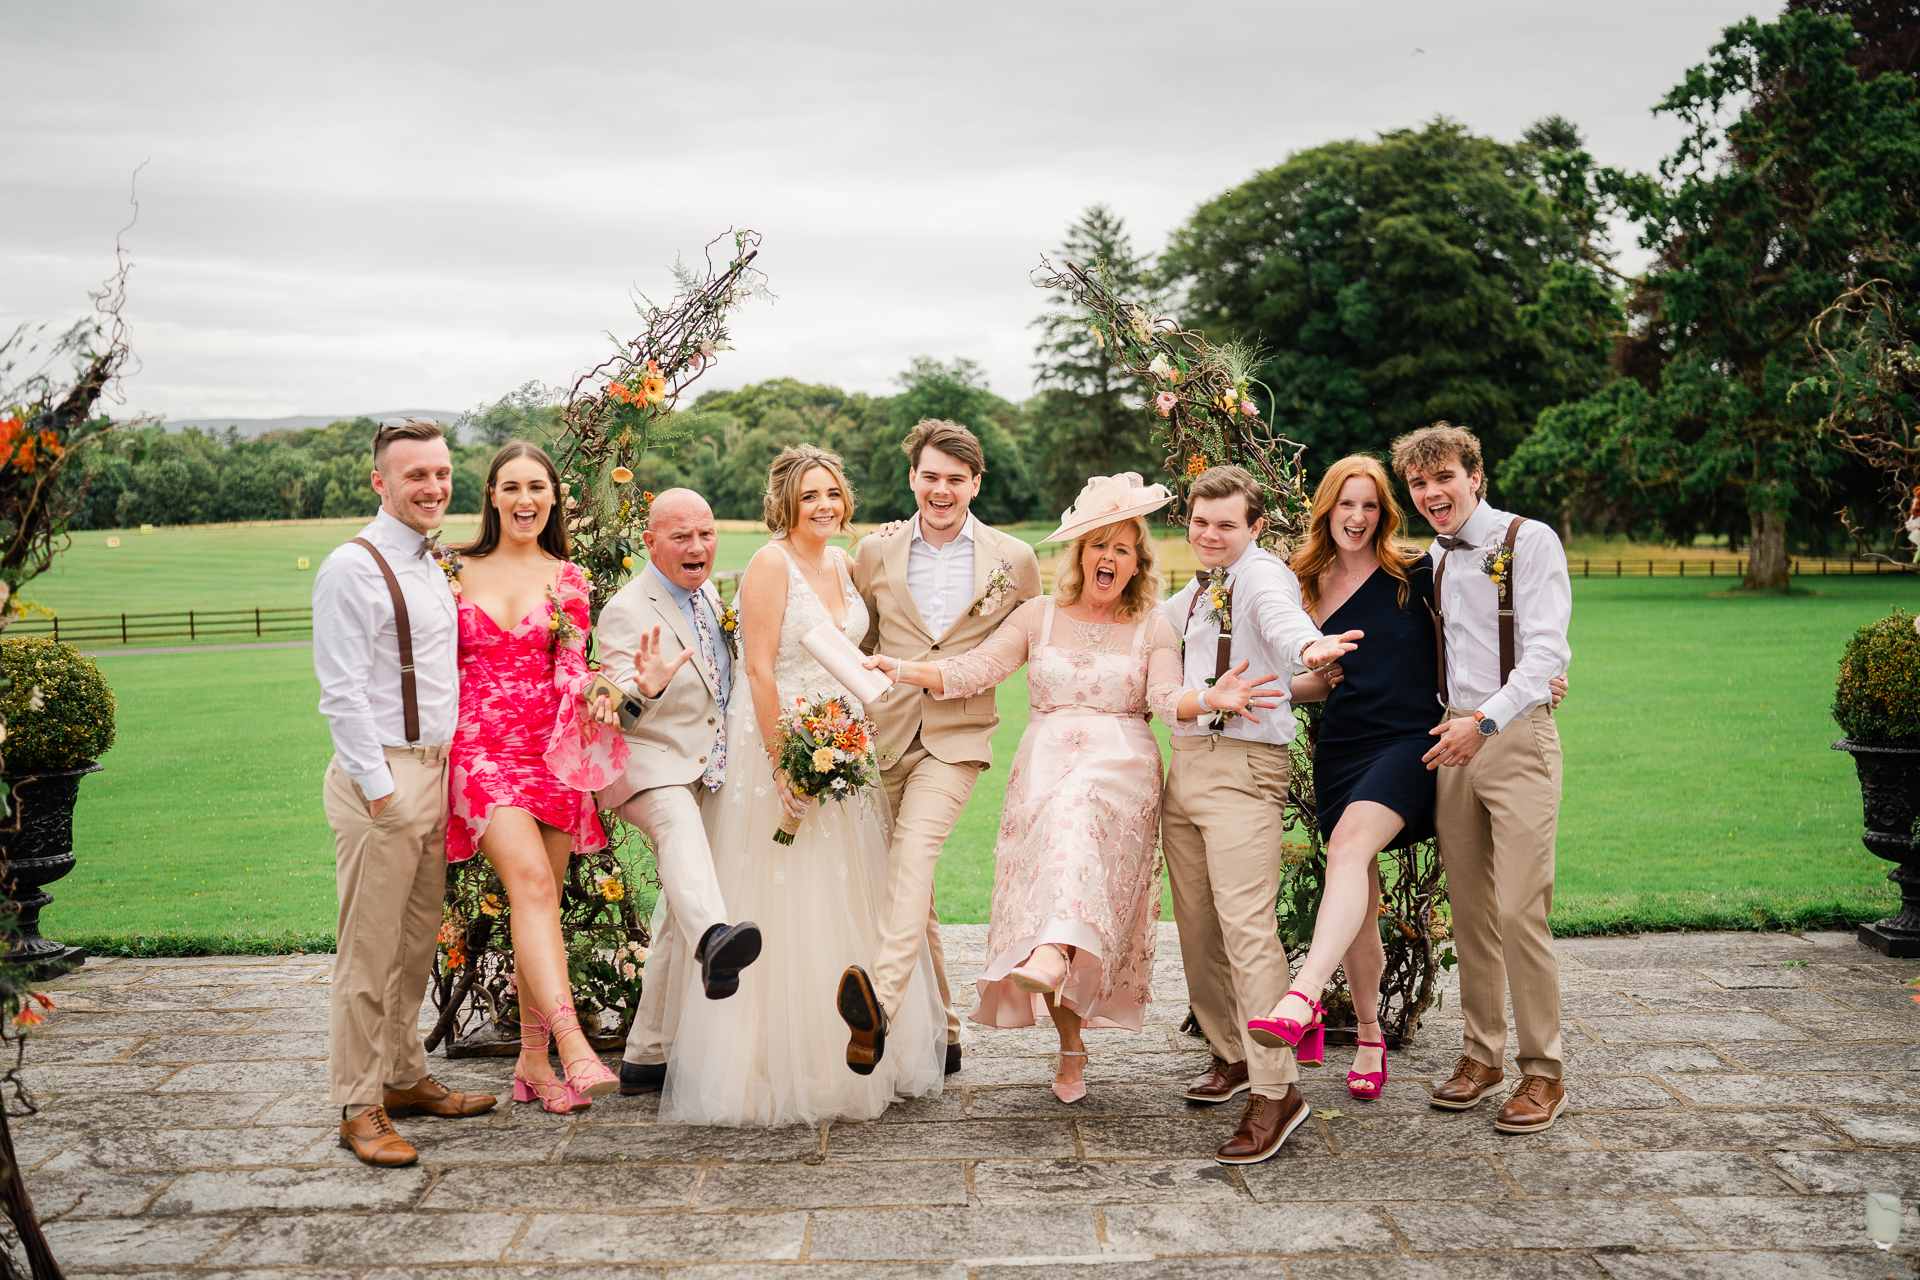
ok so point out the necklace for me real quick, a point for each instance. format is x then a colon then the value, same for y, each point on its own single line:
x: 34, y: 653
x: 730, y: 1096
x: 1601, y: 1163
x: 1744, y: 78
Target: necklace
x: 820, y: 572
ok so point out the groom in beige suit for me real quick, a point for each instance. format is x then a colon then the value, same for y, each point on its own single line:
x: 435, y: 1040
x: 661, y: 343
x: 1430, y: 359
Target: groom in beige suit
x: 933, y: 590
x: 675, y: 725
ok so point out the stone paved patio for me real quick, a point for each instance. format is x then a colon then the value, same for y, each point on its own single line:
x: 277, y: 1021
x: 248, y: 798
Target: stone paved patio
x: 1731, y: 1095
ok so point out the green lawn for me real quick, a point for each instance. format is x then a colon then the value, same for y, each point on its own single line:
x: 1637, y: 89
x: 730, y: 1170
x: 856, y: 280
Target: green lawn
x: 1700, y: 788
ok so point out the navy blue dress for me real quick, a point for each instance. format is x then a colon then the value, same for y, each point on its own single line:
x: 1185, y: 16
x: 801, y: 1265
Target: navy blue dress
x: 1374, y: 729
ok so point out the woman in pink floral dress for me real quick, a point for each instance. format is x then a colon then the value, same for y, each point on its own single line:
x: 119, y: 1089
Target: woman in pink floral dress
x: 1076, y: 892
x: 529, y: 752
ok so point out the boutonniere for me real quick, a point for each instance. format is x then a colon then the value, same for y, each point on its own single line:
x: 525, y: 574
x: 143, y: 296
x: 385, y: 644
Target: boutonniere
x: 730, y: 628
x: 1000, y: 585
x: 1220, y: 601
x: 564, y: 632
x: 449, y: 561
x: 1497, y: 564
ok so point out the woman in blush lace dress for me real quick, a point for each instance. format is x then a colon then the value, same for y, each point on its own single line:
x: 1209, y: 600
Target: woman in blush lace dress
x: 528, y: 752
x: 775, y: 1053
x: 1076, y: 891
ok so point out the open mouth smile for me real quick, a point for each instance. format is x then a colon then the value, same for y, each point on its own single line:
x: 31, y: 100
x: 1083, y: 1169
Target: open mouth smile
x: 1103, y: 576
x: 524, y: 521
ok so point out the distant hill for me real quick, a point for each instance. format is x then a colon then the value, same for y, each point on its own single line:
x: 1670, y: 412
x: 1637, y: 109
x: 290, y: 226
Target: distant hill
x: 251, y: 427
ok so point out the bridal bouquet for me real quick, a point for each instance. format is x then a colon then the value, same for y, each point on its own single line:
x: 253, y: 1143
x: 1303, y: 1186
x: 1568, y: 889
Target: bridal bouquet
x: 827, y: 754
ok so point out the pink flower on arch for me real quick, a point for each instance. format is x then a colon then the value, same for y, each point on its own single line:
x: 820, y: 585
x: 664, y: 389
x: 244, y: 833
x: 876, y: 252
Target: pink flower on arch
x: 1165, y: 401
x: 1246, y: 407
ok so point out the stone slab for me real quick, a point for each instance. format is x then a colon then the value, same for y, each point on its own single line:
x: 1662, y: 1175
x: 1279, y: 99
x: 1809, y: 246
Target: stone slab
x: 1248, y: 1229
x: 371, y: 1239
x: 662, y: 1237
x: 835, y: 1186
x: 254, y: 1190
x: 886, y: 1235
x: 1526, y: 1224
x: 1632, y: 1174
x: 1024, y: 1182
x: 1377, y: 1179
x: 616, y: 1188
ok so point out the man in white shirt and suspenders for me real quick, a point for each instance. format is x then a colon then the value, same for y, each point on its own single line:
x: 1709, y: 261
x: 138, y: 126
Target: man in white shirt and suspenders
x: 386, y: 650
x: 1504, y: 600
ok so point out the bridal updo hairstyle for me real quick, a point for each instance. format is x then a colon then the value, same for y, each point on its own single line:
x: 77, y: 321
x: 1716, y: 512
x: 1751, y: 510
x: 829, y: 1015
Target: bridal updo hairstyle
x: 1140, y: 596
x: 553, y: 534
x: 1394, y: 552
x: 783, y: 486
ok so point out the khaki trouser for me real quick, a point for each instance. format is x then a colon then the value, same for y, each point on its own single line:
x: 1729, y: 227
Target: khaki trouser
x: 926, y: 795
x: 1495, y: 818
x: 1221, y: 830
x: 393, y: 880
x: 690, y: 905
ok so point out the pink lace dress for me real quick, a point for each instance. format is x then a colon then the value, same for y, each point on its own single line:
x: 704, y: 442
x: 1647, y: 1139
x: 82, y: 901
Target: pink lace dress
x: 1077, y: 862
x: 524, y: 738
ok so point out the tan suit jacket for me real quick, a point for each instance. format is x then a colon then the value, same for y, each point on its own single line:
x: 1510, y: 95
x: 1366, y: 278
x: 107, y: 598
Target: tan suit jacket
x: 960, y: 730
x: 669, y: 745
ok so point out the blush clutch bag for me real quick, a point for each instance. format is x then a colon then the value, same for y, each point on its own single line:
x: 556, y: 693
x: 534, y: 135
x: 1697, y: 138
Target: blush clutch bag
x: 842, y: 659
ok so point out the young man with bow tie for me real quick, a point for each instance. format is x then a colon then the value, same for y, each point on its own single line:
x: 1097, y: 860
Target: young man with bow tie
x: 1501, y: 587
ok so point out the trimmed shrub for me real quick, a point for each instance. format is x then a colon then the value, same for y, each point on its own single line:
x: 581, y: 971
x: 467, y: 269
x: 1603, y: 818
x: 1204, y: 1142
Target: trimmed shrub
x: 1877, y: 698
x: 75, y: 721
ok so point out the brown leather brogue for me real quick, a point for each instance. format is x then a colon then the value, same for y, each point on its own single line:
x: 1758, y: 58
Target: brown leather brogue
x: 1219, y: 1082
x: 429, y: 1097
x: 1470, y: 1083
x: 372, y: 1137
x: 1534, y: 1106
x: 1264, y: 1126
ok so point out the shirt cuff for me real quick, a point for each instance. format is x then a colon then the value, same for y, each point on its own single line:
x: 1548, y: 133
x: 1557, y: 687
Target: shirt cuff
x: 1500, y: 709
x: 377, y: 786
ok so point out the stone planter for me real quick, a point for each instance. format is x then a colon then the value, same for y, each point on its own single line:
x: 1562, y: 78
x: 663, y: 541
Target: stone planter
x: 1890, y: 796
x: 36, y: 854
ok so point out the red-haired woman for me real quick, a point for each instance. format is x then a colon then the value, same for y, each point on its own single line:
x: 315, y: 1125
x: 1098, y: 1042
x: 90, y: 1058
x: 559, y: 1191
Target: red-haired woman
x: 1372, y: 788
x: 529, y: 752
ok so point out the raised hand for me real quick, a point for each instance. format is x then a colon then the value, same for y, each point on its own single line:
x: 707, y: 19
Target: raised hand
x: 652, y: 668
x: 1330, y: 648
x: 1232, y: 692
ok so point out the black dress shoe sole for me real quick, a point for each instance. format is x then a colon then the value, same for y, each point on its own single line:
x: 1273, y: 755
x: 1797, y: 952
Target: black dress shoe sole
x: 734, y: 950
x: 860, y: 1010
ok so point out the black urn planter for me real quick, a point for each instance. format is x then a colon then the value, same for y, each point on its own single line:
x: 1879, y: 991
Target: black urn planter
x: 1890, y: 795
x: 39, y: 852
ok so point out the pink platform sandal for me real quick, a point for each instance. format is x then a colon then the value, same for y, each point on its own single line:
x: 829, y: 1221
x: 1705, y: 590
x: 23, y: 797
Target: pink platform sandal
x: 556, y: 1096
x: 1370, y: 1086
x: 1308, y: 1042
x: 588, y: 1076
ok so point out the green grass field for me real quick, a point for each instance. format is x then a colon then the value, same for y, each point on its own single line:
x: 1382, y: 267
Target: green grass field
x: 1700, y: 789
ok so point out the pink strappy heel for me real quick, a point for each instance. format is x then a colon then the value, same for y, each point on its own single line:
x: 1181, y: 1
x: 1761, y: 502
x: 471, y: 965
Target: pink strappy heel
x: 1036, y: 983
x: 556, y: 1096
x: 1308, y: 1041
x: 1370, y: 1086
x: 586, y: 1076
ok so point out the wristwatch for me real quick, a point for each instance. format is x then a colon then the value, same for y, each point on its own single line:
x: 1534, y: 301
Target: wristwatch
x: 1487, y: 727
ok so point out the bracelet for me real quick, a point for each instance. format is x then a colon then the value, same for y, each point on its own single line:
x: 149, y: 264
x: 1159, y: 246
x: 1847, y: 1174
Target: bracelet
x: 1206, y: 708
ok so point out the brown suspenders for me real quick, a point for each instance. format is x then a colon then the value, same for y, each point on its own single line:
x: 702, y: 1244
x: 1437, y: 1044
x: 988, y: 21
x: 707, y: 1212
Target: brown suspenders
x: 1223, y: 653
x: 1506, y: 614
x: 409, y: 701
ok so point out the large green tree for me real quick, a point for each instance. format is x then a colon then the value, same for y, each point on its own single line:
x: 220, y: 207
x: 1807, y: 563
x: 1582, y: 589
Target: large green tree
x: 1086, y: 421
x: 1796, y: 181
x: 1422, y: 276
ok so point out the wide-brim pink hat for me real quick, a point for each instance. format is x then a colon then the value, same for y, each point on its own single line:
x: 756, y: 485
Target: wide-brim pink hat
x: 1106, y: 500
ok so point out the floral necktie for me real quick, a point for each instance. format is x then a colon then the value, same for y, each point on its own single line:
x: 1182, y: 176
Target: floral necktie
x: 716, y: 771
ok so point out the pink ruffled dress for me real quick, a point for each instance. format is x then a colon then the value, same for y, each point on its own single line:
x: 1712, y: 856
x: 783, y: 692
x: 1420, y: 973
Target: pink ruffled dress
x: 524, y: 738
x: 1078, y: 861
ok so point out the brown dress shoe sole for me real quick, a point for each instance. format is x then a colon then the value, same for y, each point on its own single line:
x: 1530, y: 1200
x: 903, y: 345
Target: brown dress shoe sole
x: 1299, y: 1118
x: 378, y: 1159
x: 1215, y: 1099
x: 1538, y: 1125
x: 1448, y: 1104
x: 866, y: 1024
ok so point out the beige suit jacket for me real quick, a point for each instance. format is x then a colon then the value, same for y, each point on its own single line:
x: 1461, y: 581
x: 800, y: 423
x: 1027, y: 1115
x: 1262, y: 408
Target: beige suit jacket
x: 959, y: 730
x: 669, y: 745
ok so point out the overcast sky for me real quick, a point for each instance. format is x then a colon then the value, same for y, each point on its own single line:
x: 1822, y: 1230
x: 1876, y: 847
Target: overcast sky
x: 351, y: 207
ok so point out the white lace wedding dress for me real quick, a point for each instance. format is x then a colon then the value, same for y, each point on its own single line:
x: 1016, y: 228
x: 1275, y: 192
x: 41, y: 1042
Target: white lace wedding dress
x: 775, y: 1052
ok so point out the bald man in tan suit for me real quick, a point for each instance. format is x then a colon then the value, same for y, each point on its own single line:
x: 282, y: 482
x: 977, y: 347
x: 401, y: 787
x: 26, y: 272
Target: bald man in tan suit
x: 935, y: 589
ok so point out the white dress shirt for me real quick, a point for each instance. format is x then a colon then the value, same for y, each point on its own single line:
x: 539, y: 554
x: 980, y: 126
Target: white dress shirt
x: 356, y: 651
x: 1542, y: 608
x: 1270, y: 629
x: 941, y: 578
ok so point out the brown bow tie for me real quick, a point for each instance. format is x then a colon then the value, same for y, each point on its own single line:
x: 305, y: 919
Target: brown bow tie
x: 1453, y: 544
x: 428, y: 545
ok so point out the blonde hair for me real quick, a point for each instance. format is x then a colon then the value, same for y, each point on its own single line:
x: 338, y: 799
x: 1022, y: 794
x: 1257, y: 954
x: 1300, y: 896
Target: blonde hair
x: 1142, y: 593
x: 782, y: 503
x: 1393, y: 552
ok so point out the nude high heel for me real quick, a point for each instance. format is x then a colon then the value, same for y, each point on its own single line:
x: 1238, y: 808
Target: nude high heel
x: 586, y: 1076
x: 1074, y: 1090
x: 556, y: 1096
x: 1035, y: 982
x: 1308, y: 1040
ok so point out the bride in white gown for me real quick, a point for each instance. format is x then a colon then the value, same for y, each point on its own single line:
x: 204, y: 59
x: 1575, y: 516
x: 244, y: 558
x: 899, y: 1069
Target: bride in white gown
x: 775, y: 1053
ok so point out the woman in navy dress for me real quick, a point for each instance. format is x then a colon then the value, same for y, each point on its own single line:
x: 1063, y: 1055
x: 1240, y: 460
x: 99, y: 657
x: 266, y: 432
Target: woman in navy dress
x: 1372, y: 789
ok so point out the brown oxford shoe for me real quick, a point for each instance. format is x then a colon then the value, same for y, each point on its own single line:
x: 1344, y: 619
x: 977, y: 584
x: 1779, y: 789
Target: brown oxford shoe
x: 429, y: 1097
x: 1264, y: 1126
x: 1534, y: 1106
x: 1219, y: 1082
x: 371, y: 1136
x: 1469, y: 1084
